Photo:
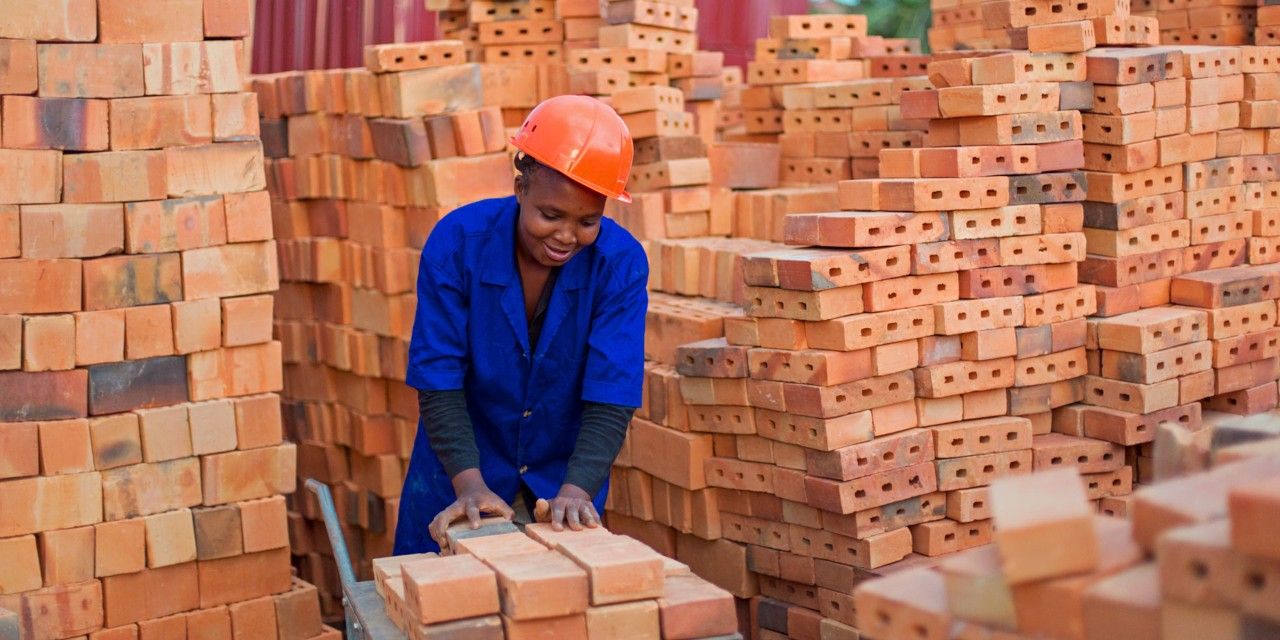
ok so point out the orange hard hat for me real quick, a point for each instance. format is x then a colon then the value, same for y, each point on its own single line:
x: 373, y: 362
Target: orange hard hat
x: 583, y: 138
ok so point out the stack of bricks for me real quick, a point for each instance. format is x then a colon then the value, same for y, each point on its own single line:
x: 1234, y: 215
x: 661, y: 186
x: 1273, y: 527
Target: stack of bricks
x: 523, y: 31
x: 141, y: 454
x: 1179, y: 569
x: 363, y: 162
x: 1260, y: 120
x: 1267, y: 30
x: 501, y: 582
x: 1217, y: 22
x: 829, y: 93
x: 702, y: 267
x: 957, y: 24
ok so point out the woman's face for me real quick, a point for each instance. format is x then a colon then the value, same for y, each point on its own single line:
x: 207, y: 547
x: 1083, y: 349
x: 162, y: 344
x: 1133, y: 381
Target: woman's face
x: 558, y: 217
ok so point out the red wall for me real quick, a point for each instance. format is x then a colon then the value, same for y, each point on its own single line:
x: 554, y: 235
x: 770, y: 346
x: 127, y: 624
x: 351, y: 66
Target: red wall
x: 285, y: 30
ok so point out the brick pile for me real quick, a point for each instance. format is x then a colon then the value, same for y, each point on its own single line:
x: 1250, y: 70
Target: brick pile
x: 1260, y: 122
x: 829, y: 92
x: 957, y: 24
x: 142, y: 463
x: 1219, y: 22
x: 501, y: 582
x: 1267, y: 30
x: 524, y: 31
x: 1212, y: 575
x: 361, y: 164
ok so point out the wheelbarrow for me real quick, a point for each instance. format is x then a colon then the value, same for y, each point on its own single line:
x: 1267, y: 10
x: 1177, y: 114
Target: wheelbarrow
x: 366, y: 613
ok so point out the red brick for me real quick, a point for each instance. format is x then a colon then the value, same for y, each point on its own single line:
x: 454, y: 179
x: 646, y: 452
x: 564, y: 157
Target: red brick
x: 150, y: 488
x: 197, y: 325
x: 55, y: 123
x: 90, y: 70
x: 150, y: 21
x: 165, y: 433
x: 235, y: 115
x: 19, y: 450
x: 67, y: 555
x: 222, y: 581
x: 120, y: 547
x: 1252, y: 513
x: 1024, y: 507
x: 905, y: 602
x: 298, y: 612
x: 62, y: 231
x: 631, y: 619
x: 449, y: 588
x: 35, y: 176
x: 247, y: 475
x: 540, y: 585
x: 246, y: 320
x: 223, y: 167
x: 65, y: 447
x: 213, y: 426
x: 1126, y: 604
x: 248, y: 216
x: 148, y: 332
x: 691, y: 607
x: 264, y: 524
x: 48, y: 343
x: 149, y: 594
x: 253, y: 619
x: 64, y: 611
x: 235, y: 371
x: 114, y: 176
x: 209, y: 624
x: 229, y: 270
x: 170, y: 538
x: 258, y: 421
x: 159, y: 122
x: 17, y: 66
x: 181, y: 68
x: 619, y: 570
x: 227, y: 18
x: 21, y: 565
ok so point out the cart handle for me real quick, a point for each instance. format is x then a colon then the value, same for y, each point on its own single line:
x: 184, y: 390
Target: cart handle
x: 336, y: 539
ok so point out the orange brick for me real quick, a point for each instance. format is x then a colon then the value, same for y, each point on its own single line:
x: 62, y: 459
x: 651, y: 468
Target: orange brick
x: 213, y: 426
x: 235, y: 116
x: 10, y: 342
x: 619, y: 570
x: 191, y: 67
x: 54, y: 123
x: 209, y: 624
x: 120, y: 547
x: 90, y: 70
x: 175, y: 225
x: 48, y: 343
x: 63, y: 231
x: 258, y: 421
x: 148, y: 331
x: 33, y: 176
x: 235, y: 371
x: 19, y: 565
x: 19, y: 450
x: 115, y: 441
x: 229, y: 270
x: 227, y: 18
x: 197, y: 325
x: 114, y: 176
x: 449, y: 588
x: 67, y: 555
x: 159, y: 122
x: 17, y: 66
x: 225, y: 167
x: 246, y: 320
x: 254, y: 619
x: 165, y: 433
x: 248, y: 216
x: 247, y: 475
x: 222, y: 581
x: 264, y: 524
x: 65, y: 447
x: 149, y: 21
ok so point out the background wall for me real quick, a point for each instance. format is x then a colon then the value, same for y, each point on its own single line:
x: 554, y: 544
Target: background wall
x: 318, y: 34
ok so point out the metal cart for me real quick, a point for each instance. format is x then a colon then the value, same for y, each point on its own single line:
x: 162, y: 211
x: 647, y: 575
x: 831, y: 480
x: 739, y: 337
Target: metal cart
x: 365, y: 611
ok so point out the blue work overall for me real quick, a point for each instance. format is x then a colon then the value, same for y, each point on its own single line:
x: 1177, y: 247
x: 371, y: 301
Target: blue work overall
x: 525, y: 404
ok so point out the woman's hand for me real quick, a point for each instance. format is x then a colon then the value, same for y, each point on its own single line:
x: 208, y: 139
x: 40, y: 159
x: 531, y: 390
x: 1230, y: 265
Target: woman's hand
x: 572, y: 507
x: 474, y: 498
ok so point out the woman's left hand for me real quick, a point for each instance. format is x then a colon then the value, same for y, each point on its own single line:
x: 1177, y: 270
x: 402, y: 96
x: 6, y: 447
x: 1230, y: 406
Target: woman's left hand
x: 571, y: 507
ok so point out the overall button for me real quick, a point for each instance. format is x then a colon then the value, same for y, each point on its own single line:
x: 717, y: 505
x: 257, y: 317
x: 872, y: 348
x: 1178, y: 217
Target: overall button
x: 528, y: 412
x: 524, y: 469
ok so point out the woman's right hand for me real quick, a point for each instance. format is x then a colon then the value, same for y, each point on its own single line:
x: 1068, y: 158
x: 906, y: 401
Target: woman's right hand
x: 474, y: 498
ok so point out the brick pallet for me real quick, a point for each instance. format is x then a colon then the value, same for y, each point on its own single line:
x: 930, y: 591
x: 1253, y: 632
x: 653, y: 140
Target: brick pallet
x: 142, y: 464
x: 501, y: 582
x: 1214, y: 567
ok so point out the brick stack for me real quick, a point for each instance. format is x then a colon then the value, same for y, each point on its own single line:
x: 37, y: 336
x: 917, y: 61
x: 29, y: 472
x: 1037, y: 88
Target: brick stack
x: 829, y: 92
x: 957, y: 25
x: 539, y: 583
x: 525, y: 31
x: 1267, y: 30
x: 363, y: 163
x: 1260, y: 121
x: 703, y: 267
x: 1220, y: 22
x: 1213, y: 573
x: 141, y: 454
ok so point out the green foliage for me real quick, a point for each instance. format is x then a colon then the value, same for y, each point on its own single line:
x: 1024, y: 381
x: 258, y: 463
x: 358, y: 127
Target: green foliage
x: 889, y: 18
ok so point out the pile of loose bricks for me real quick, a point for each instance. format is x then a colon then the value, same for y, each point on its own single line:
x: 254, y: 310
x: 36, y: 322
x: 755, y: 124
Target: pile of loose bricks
x: 500, y: 582
x: 142, y: 464
x: 1198, y: 558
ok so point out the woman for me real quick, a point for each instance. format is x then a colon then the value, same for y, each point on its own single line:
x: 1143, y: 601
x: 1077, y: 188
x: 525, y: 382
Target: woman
x: 528, y: 346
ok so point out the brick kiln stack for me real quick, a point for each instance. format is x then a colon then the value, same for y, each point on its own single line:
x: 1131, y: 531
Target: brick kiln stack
x: 141, y: 454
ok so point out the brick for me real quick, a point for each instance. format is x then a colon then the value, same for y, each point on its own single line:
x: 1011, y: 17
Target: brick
x: 247, y: 475
x: 150, y: 21
x: 17, y: 66
x: 227, y: 18
x: 159, y: 122
x: 573, y: 626
x: 90, y: 70
x: 174, y: 225
x: 182, y: 68
x: 65, y: 447
x: 618, y: 570
x: 34, y: 176
x: 48, y: 343
x: 628, y: 620
x: 247, y: 216
x: 417, y: 55
x: 10, y: 234
x: 213, y: 426
x: 170, y: 538
x: 61, y: 502
x: 55, y: 123
x: 1155, y: 511
x: 449, y: 588
x: 1250, y: 513
x: 149, y: 594
x: 258, y: 421
x: 209, y: 624
x: 1067, y: 37
x: 21, y: 565
x: 235, y: 371
x: 197, y: 325
x: 224, y: 167
x: 235, y: 116
x: 246, y: 320
x: 53, y: 395
x: 148, y: 332
x: 222, y: 581
x: 1127, y: 603
x: 540, y: 585
x: 423, y: 92
x: 848, y: 463
x: 691, y: 607
x: 64, y: 610
x: 19, y: 450
x: 218, y: 532
x: 62, y: 231
x: 114, y: 176
x: 298, y: 612
x: 254, y: 619
x: 229, y: 270
x: 264, y: 523
x: 904, y: 600
x: 871, y: 491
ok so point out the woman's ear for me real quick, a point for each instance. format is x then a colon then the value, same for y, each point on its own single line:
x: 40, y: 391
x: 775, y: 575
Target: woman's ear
x: 519, y: 185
